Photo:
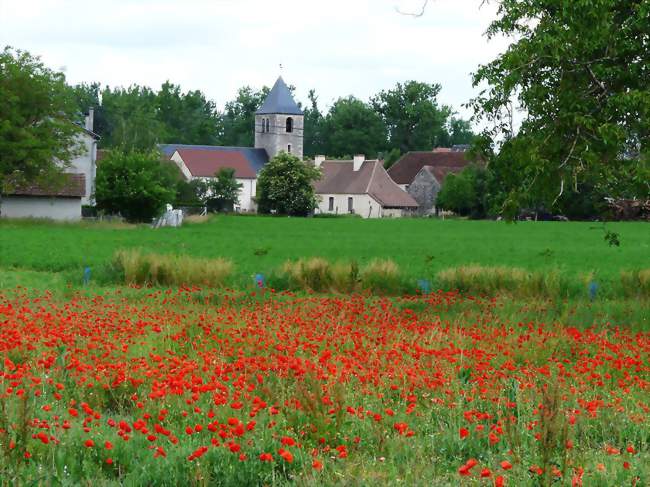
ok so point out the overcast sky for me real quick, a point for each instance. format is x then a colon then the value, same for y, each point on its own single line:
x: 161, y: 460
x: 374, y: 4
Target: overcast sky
x: 337, y: 47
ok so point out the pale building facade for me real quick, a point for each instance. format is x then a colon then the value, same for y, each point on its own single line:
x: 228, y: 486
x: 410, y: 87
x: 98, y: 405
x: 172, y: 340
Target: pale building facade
x: 360, y: 187
x: 60, y: 201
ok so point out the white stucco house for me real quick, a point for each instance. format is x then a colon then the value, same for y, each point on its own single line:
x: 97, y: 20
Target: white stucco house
x: 279, y: 125
x: 360, y: 187
x: 61, y: 201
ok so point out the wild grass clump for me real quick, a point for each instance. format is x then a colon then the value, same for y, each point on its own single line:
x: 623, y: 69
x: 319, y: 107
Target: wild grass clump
x: 171, y: 270
x: 636, y: 283
x: 490, y: 280
x: 382, y: 277
x: 319, y: 275
x: 310, y: 274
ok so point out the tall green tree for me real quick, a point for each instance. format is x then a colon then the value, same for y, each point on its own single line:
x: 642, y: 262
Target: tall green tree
x: 353, y: 127
x: 222, y: 192
x: 413, y: 117
x: 314, y: 127
x: 132, y: 118
x: 37, y: 111
x: 285, y: 186
x: 579, y: 72
x: 239, y: 117
x: 466, y: 193
x: 187, y: 118
x: 135, y: 184
x: 88, y: 95
x: 460, y: 132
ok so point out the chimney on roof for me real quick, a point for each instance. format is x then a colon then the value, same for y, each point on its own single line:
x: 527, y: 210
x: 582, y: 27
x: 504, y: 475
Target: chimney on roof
x: 358, y: 161
x: 440, y: 150
x: 318, y: 160
x: 90, y: 119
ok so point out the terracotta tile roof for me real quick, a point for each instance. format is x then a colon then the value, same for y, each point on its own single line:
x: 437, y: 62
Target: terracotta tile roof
x: 339, y: 177
x: 73, y: 186
x: 405, y: 170
x: 257, y: 158
x: 206, y: 163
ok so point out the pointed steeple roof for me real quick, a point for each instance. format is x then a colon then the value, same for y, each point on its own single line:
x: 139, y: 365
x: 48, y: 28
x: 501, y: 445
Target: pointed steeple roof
x: 280, y: 100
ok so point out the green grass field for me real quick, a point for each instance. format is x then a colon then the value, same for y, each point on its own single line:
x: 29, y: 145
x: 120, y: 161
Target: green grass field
x: 420, y: 247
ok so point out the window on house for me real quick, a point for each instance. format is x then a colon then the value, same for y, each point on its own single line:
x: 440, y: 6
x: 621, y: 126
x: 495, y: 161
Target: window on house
x: 289, y: 125
x: 350, y: 205
x: 263, y: 125
x: 267, y: 125
x: 331, y: 203
x: 289, y: 149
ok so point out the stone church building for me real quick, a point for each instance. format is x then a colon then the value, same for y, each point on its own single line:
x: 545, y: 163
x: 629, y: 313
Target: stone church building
x: 357, y: 187
x: 279, y: 126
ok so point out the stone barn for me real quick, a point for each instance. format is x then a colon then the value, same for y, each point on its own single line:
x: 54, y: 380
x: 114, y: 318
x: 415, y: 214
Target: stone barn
x: 422, y: 174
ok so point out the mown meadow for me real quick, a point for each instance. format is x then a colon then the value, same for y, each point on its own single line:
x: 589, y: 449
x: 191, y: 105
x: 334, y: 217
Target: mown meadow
x: 353, y: 376
x: 574, y: 253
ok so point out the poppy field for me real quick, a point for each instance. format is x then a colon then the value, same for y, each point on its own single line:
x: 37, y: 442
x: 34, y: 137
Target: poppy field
x: 184, y: 387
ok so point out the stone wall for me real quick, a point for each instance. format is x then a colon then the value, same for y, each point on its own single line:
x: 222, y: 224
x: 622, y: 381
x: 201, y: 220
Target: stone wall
x: 424, y: 189
x: 277, y: 139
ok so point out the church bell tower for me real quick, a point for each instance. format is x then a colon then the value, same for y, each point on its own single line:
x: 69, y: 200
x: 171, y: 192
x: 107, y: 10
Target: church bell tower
x: 279, y: 123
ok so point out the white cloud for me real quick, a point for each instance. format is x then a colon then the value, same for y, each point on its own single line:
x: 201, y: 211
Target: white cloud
x: 338, y: 47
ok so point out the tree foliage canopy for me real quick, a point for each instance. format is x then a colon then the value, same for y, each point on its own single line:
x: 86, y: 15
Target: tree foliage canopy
x: 412, y: 116
x: 353, y: 127
x: 285, y: 186
x: 136, y: 185
x: 580, y: 73
x: 37, y: 111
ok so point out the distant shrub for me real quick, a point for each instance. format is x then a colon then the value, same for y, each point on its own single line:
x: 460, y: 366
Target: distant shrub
x: 171, y: 270
x: 636, y: 283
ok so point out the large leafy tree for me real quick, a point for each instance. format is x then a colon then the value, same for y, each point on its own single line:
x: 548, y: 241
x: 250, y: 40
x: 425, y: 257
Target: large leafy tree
x: 239, y: 117
x: 187, y: 118
x: 285, y: 186
x: 413, y: 117
x: 135, y: 184
x: 353, y: 127
x: 314, y: 127
x: 580, y: 73
x: 466, y: 193
x: 132, y: 118
x: 37, y: 110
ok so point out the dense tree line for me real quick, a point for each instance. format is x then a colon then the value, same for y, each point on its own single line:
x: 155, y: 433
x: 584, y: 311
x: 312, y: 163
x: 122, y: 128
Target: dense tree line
x: 408, y: 117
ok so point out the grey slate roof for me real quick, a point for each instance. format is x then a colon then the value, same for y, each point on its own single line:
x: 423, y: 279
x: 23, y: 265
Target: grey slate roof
x: 257, y: 158
x: 280, y: 101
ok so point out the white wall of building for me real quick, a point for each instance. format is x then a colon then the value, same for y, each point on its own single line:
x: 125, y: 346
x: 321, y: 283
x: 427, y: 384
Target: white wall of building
x: 246, y: 194
x: 40, y: 207
x: 363, y: 205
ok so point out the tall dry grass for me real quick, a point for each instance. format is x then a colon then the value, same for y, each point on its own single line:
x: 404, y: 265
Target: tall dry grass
x: 636, y: 283
x: 319, y: 275
x: 171, y: 270
x: 498, y: 279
